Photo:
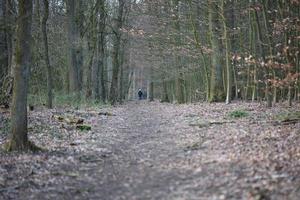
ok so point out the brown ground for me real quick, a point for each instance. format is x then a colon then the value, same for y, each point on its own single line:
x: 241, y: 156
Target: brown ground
x: 156, y: 151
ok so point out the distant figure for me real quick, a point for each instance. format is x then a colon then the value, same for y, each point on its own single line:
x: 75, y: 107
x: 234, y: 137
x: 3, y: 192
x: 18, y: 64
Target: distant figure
x: 140, y: 94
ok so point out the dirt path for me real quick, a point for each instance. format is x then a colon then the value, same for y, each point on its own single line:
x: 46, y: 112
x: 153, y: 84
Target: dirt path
x: 158, y: 151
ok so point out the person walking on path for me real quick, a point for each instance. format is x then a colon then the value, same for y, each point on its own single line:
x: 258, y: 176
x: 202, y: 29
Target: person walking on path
x: 140, y: 94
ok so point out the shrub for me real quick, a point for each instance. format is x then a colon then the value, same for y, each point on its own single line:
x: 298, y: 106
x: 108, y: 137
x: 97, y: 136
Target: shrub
x: 238, y: 114
x: 62, y: 99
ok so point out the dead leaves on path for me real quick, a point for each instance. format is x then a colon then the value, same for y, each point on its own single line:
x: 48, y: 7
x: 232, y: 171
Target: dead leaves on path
x: 214, y: 155
x: 261, y: 150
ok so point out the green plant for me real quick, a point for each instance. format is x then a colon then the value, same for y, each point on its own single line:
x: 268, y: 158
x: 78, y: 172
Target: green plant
x: 238, y: 114
x: 287, y: 116
x: 5, y: 126
x: 62, y: 99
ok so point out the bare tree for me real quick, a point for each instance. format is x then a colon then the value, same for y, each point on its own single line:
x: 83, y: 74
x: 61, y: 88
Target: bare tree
x: 19, y: 138
x: 118, y: 22
x: 47, y: 60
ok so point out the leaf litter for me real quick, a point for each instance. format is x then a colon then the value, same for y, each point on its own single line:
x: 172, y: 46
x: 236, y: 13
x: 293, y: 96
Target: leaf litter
x: 144, y: 150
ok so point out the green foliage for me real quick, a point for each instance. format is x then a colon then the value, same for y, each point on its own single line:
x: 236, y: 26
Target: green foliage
x: 288, y: 116
x: 5, y: 126
x: 238, y: 114
x: 83, y: 127
x: 39, y: 99
x: 61, y: 99
x: 67, y: 100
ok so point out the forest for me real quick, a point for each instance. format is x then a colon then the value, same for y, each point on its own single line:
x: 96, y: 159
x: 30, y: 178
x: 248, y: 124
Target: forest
x: 149, y: 99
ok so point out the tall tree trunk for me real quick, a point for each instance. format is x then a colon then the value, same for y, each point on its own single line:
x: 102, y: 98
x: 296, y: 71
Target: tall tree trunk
x: 47, y: 60
x: 129, y: 85
x: 72, y: 39
x: 179, y: 81
x: 268, y: 84
x: 101, y: 48
x: 151, y: 86
x: 19, y: 137
x: 165, y: 95
x: 216, y: 85
x: 121, y: 76
x: 96, y: 76
x: 133, y: 87
x: 9, y: 27
x: 199, y: 46
x: 115, y: 73
x: 3, y: 42
x: 79, y: 27
x: 113, y: 96
x: 228, y: 66
x: 88, y: 73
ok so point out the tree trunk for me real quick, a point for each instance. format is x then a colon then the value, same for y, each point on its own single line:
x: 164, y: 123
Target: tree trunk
x: 121, y: 76
x: 72, y: 39
x: 150, y: 85
x: 199, y: 46
x: 3, y: 42
x: 228, y: 66
x: 165, y: 96
x: 88, y: 72
x: 101, y: 46
x: 96, y: 76
x: 216, y: 85
x: 113, y: 96
x: 179, y: 81
x: 19, y: 138
x: 268, y: 84
x: 47, y: 60
x: 115, y: 72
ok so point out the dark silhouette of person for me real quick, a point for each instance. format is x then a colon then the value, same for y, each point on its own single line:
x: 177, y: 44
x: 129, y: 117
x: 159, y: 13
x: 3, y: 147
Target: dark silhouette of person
x: 140, y: 94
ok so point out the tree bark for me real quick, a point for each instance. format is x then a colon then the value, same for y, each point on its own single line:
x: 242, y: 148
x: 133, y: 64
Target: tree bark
x: 19, y: 137
x: 47, y: 60
x: 179, y: 82
x: 228, y: 66
x: 88, y: 72
x: 101, y: 46
x: 165, y: 96
x: 4, y: 59
x: 150, y: 86
x: 72, y: 40
x: 113, y: 96
x: 216, y: 83
x: 151, y: 91
x: 96, y: 77
x: 268, y: 84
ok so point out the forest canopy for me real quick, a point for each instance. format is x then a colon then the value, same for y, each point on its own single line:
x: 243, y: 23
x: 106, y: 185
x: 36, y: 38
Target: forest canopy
x: 181, y: 51
x: 71, y: 52
x: 149, y: 99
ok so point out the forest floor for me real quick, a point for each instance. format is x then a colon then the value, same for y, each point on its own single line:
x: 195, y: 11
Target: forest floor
x: 143, y: 150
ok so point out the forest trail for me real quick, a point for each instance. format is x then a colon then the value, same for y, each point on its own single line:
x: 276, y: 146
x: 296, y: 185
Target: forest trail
x: 144, y: 150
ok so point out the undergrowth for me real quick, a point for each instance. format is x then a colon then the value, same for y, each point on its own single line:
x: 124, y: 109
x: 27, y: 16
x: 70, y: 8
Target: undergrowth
x: 285, y: 116
x: 61, y: 99
x: 5, y: 126
x: 238, y: 114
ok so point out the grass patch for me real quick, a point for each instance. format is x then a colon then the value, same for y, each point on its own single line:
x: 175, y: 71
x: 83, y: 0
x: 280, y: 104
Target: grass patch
x: 238, y: 114
x: 84, y: 127
x: 287, y: 116
x: 62, y: 99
